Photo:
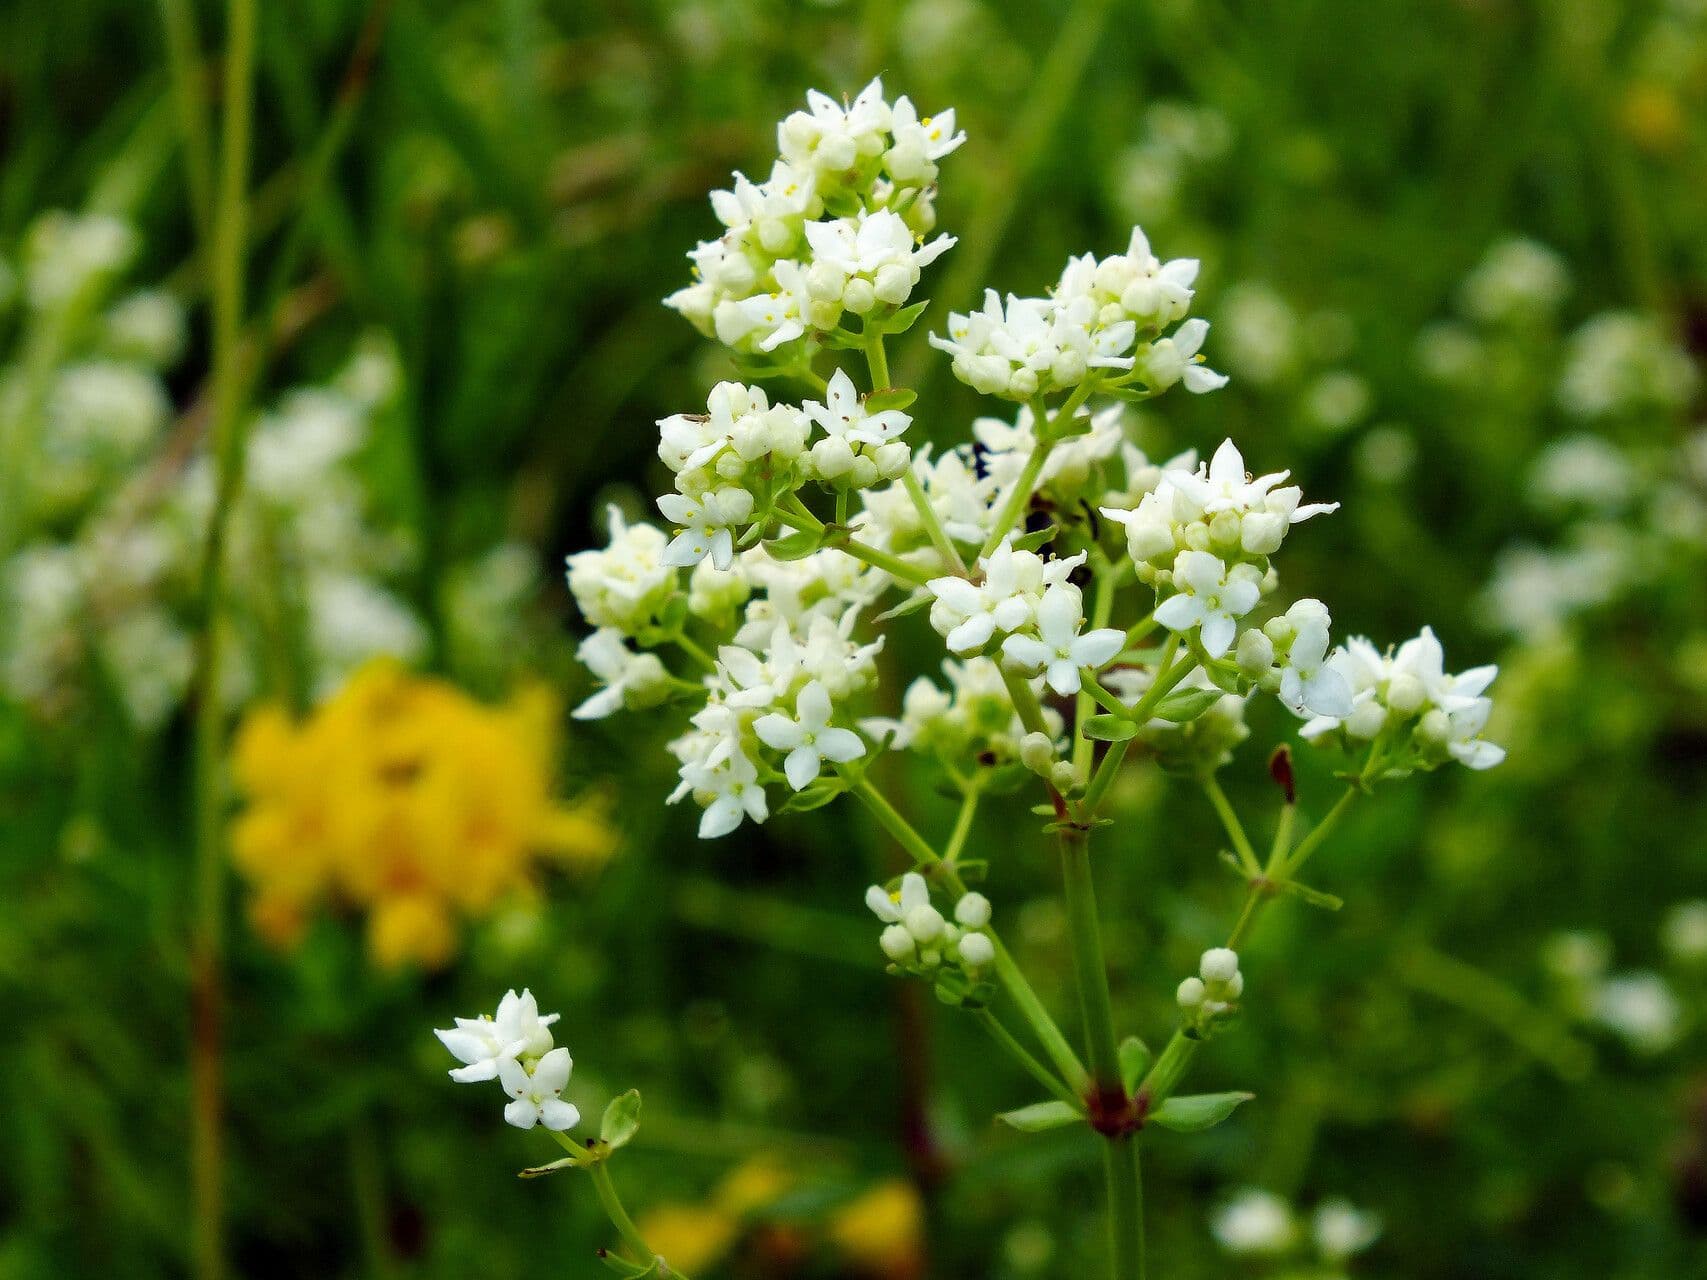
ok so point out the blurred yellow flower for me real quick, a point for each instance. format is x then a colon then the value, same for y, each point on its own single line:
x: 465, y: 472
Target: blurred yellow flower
x: 882, y: 1231
x: 404, y: 797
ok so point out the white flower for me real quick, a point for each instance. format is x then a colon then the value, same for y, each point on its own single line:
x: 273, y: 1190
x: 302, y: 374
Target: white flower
x: 722, y: 779
x: 708, y: 525
x: 919, y: 144
x: 1224, y: 485
x: 1642, y: 1009
x: 538, y: 1093
x: 485, y: 1044
x: 968, y: 615
x: 635, y: 680
x: 1176, y: 359
x: 1058, y: 648
x: 625, y: 584
x: 1254, y: 1222
x: 843, y: 415
x: 1209, y: 596
x: 808, y: 738
x: 1135, y: 285
x: 1342, y: 1229
x: 828, y: 139
x: 775, y: 317
x: 910, y: 907
x: 875, y: 256
x: 1309, y: 685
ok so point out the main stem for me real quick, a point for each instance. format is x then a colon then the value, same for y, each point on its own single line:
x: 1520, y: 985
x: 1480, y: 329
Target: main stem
x: 1120, y: 1159
x: 229, y: 233
x: 632, y: 1240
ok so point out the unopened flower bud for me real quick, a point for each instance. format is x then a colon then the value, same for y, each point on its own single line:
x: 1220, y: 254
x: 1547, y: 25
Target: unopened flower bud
x: 1256, y: 653
x: 976, y: 949
x: 1219, y: 964
x: 1064, y: 777
x: 897, y: 943
x: 859, y: 297
x: 973, y: 911
x: 1224, y: 529
x: 1435, y: 728
x: 1037, y: 752
x: 1406, y: 694
x: 1190, y: 993
x: 924, y: 923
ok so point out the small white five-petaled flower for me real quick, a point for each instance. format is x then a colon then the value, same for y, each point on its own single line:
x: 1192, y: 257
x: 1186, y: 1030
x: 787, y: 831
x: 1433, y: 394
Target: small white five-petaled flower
x: 809, y: 738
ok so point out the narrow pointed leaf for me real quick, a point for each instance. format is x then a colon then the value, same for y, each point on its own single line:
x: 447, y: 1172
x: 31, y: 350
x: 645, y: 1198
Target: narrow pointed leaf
x: 1041, y: 1116
x: 1134, y: 1062
x: 621, y: 1119
x: 1109, y: 728
x: 1193, y: 1113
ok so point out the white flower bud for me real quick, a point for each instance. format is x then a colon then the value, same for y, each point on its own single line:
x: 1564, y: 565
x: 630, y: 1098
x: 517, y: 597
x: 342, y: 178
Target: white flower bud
x: 973, y: 911
x: 1190, y: 993
x: 1023, y: 384
x: 1435, y: 728
x: 1224, y: 529
x: 1406, y: 694
x: 1256, y: 653
x: 897, y: 943
x: 859, y: 297
x: 976, y: 949
x: 1219, y: 964
x: 1261, y: 532
x: 1064, y: 777
x: 1366, y: 720
x: 894, y: 283
x: 1037, y: 752
x: 924, y: 923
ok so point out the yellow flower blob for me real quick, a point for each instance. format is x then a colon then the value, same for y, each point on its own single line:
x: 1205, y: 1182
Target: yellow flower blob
x: 405, y: 798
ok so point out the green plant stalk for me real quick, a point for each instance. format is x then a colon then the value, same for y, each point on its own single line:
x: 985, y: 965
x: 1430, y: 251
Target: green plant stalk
x: 1123, y: 1170
x: 1032, y: 1067
x: 962, y: 827
x: 1020, y: 494
x: 1319, y: 833
x: 1230, y: 821
x: 1105, y: 775
x: 1025, y: 702
x: 1084, y: 931
x: 877, y: 361
x: 189, y: 97
x: 1007, y: 971
x: 228, y: 233
x: 611, y: 1204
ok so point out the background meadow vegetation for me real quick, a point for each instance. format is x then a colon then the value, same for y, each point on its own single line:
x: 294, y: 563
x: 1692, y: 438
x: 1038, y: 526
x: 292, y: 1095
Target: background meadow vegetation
x: 1455, y: 260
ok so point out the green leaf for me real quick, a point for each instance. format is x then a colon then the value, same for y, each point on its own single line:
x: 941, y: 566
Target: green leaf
x: 1315, y: 897
x: 905, y: 318
x: 1134, y: 1062
x: 796, y: 546
x: 1196, y: 1112
x: 621, y: 1120
x: 814, y: 796
x: 539, y: 1171
x: 1185, y: 705
x: 886, y: 398
x: 1036, y: 539
x: 1041, y: 1116
x: 1109, y: 728
x: 912, y: 604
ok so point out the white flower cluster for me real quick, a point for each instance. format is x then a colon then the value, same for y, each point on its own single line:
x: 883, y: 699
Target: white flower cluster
x: 836, y: 230
x: 1621, y: 363
x: 515, y: 1048
x: 1106, y: 316
x: 1031, y: 604
x: 1212, y: 997
x: 1414, y: 713
x: 916, y: 937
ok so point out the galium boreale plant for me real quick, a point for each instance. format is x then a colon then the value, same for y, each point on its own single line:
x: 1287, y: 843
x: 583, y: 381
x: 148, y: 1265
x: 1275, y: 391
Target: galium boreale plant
x: 1096, y: 609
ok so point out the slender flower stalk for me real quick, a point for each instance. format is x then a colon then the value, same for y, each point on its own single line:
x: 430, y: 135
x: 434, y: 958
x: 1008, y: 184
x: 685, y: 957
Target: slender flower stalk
x: 229, y: 232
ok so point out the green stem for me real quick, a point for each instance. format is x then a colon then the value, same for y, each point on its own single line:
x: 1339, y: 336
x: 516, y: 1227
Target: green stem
x: 1322, y: 830
x: 632, y: 1240
x: 189, y: 95
x: 1035, y: 1069
x: 1169, y: 1069
x: 1105, y: 775
x: 877, y: 361
x: 962, y: 828
x: 1101, y: 608
x: 1020, y: 494
x: 1124, y: 1173
x: 229, y: 233
x: 1085, y: 934
x: 1230, y: 821
x: 694, y: 651
x: 1025, y: 702
x: 893, y: 565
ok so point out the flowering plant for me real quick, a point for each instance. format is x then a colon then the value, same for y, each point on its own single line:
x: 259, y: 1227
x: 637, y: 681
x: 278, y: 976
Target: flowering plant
x: 1094, y: 608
